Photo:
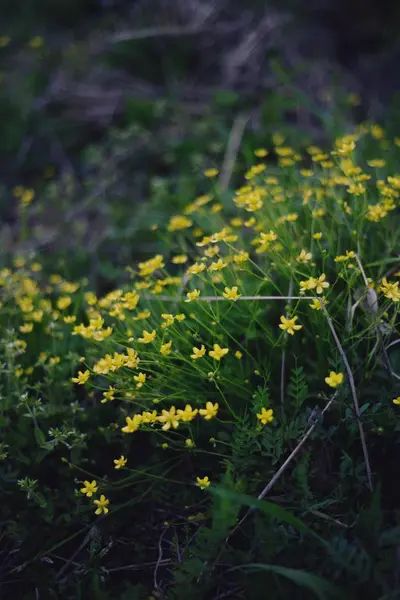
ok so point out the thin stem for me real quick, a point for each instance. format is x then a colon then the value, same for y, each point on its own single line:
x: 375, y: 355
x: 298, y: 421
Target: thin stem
x: 354, y: 395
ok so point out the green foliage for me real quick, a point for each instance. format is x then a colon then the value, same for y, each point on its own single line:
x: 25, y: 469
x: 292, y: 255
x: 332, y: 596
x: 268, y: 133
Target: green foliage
x: 99, y: 259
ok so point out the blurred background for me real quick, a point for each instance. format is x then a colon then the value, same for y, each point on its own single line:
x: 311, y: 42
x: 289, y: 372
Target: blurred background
x: 111, y: 109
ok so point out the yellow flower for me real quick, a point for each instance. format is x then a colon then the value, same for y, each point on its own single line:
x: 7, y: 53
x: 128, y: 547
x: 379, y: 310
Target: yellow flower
x: 169, y: 418
x: 238, y: 354
x: 147, y: 337
x: 217, y: 266
x: 108, y: 395
x: 63, y: 302
x: 304, y: 257
x: 289, y: 325
x: 168, y: 318
x: 390, y: 290
x: 188, y: 414
x: 203, y: 483
x: 149, y: 266
x: 4, y: 41
x: 396, y: 400
x: 231, y: 294
x: 27, y: 328
x: 90, y: 488
x: 166, y: 348
x: 196, y: 268
x: 376, y: 163
x: 210, y: 173
x: 198, y: 352
x: 321, y: 284
x: 82, y: 378
x: 132, y: 424
x: 260, y: 152
x: 209, y: 411
x: 265, y: 416
x: 316, y: 303
x: 334, y: 379
x: 69, y: 319
x: 149, y: 417
x: 189, y: 443
x: 179, y: 222
x: 217, y: 353
x: 180, y: 259
x: 192, y: 295
x: 36, y: 42
x: 241, y: 258
x: 120, y: 462
x: 140, y: 379
x: 317, y: 236
x: 101, y: 505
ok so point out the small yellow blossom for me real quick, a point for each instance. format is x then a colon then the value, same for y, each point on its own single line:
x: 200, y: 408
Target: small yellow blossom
x: 396, y: 400
x: 90, y: 488
x: 179, y: 222
x: 345, y: 257
x: 132, y: 424
x: 188, y: 414
x: 166, y: 348
x: 69, y: 319
x: 102, y: 505
x: 238, y: 355
x: 198, y: 352
x: 241, y: 258
x: 180, y: 259
x: 304, y: 257
x: 289, y: 325
x: 317, y: 236
x: 120, y: 462
x: 149, y: 266
x: 189, y: 443
x: 390, y: 290
x: 196, y: 268
x: 265, y: 416
x: 231, y: 293
x: 82, y: 377
x: 36, y: 42
x: 149, y: 417
x: 169, y: 418
x: 63, y: 302
x: 334, y: 379
x: 318, y: 303
x: 210, y: 411
x: 377, y: 163
x: 147, y: 337
x: 26, y: 328
x: 169, y: 320
x: 203, y: 483
x: 4, y: 41
x: 217, y: 353
x: 210, y: 173
x: 192, y: 295
x: 140, y: 379
x: 108, y: 395
x: 218, y: 265
x: 321, y: 284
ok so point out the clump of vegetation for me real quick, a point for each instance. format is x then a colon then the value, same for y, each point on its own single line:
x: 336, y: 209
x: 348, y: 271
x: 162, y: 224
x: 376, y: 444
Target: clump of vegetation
x: 254, y: 356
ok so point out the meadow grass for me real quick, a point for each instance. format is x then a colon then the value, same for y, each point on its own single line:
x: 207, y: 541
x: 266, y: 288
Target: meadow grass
x: 254, y: 357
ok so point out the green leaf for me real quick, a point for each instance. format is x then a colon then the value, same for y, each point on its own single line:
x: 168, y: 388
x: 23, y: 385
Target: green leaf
x: 40, y: 437
x: 322, y: 588
x: 269, y: 508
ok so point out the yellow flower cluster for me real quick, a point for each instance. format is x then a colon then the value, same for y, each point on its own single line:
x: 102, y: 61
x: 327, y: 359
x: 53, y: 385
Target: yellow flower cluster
x: 170, y: 418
